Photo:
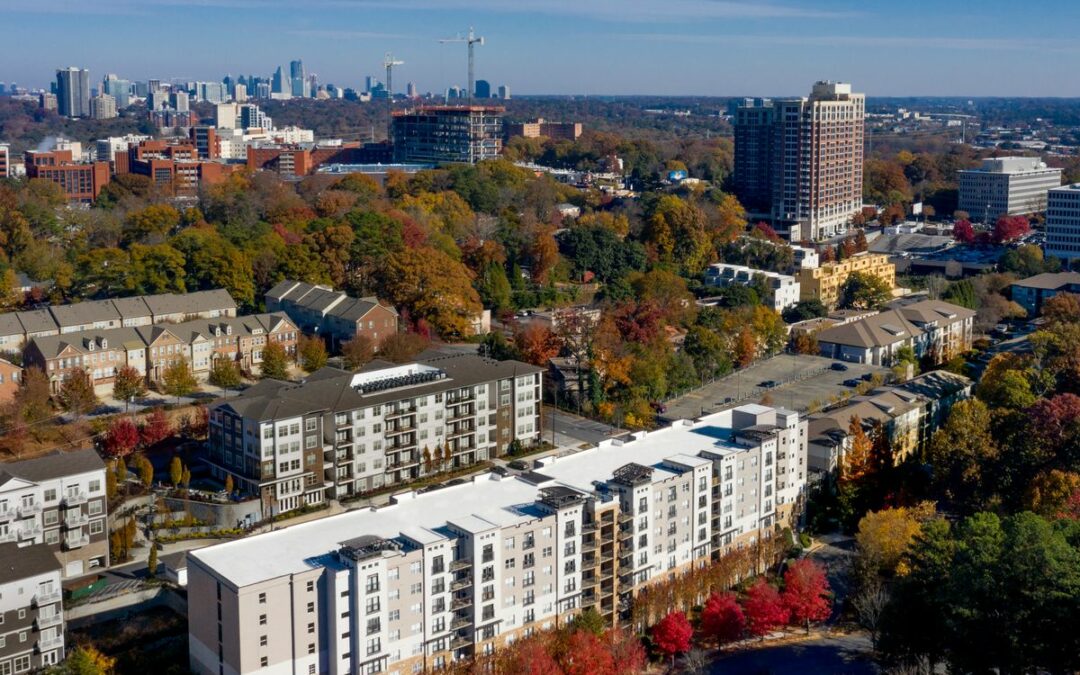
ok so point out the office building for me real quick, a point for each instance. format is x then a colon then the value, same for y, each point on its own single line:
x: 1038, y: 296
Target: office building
x: 467, y: 569
x: 325, y: 312
x: 809, y: 154
x: 781, y: 290
x: 1006, y: 186
x: 47, y: 101
x: 174, y: 165
x: 73, y: 92
x: 1032, y: 292
x: 411, y: 90
x: 559, y: 131
x: 339, y: 434
x: 483, y: 89
x: 118, y: 89
x: 825, y: 281
x: 226, y: 115
x: 5, y: 160
x: 298, y: 79
x: 253, y: 118
x: 277, y: 83
x: 80, y: 181
x: 180, y: 101
x: 441, y: 134
x: 105, y: 149
x: 32, y: 637
x: 103, y: 107
x: 212, y: 92
x: 58, y: 501
x: 240, y: 93
x: 504, y: 92
x: 370, y: 82
x: 1063, y: 222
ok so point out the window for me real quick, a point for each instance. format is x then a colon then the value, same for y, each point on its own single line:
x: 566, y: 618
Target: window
x: 262, y: 640
x: 372, y: 605
x: 22, y: 663
x: 311, y: 628
x: 262, y: 619
x: 311, y: 608
x: 372, y: 585
x: 374, y: 646
x: 262, y: 598
x: 264, y: 661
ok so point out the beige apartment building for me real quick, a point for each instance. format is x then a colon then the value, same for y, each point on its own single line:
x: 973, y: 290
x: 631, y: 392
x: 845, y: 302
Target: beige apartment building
x: 466, y: 569
x: 824, y: 282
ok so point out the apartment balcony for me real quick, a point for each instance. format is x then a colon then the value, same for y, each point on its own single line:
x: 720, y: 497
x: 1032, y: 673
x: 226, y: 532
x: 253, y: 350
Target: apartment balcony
x: 461, y: 413
x: 28, y: 511
x: 626, y: 558
x: 589, y: 545
x: 625, y: 517
x: 41, y: 599
x: 460, y: 642
x: 399, y: 430
x: 626, y: 535
x: 607, y: 553
x: 460, y: 622
x: 45, y: 645
x: 73, y: 499
x: 43, y: 622
x: 589, y: 581
x: 589, y: 527
x: 74, y: 520
x: 461, y: 584
x: 460, y: 564
x: 28, y: 533
x: 71, y: 543
x: 461, y: 601
x: 458, y: 433
x: 401, y: 412
x: 6, y: 515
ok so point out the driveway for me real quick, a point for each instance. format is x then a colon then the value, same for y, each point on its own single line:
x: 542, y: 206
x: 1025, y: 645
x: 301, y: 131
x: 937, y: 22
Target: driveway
x: 826, y: 655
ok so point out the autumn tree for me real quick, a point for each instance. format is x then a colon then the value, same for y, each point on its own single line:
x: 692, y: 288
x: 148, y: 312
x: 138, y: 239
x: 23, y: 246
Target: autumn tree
x: 402, y: 347
x: 764, y: 608
x: 1008, y: 228
x: 536, y: 343
x: 806, y: 595
x: 357, y: 352
x: 434, y: 287
x: 121, y: 437
x: 146, y: 470
x: 224, y: 373
x: 85, y: 659
x: 884, y: 537
x: 722, y: 618
x: 275, y: 362
x: 176, y: 471
x: 585, y: 654
x: 864, y: 291
x: 128, y: 384
x: 178, y: 380
x: 311, y: 353
x: 961, y: 451
x: 77, y: 393
x: 964, y: 232
x: 672, y: 635
x: 155, y: 428
x: 152, y: 561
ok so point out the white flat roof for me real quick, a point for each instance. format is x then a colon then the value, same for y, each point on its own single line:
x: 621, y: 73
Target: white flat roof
x: 488, y: 501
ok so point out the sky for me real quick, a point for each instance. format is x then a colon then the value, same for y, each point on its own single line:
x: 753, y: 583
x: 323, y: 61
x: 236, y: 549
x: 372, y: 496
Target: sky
x: 579, y: 47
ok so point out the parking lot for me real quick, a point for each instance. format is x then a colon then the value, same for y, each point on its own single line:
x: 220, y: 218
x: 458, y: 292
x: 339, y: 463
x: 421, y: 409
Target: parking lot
x: 801, y: 380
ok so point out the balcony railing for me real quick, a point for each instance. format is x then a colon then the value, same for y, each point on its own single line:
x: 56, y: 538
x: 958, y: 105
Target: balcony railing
x: 74, y: 520
x: 46, y: 597
x: 27, y: 533
x: 460, y: 564
x: 7, y: 514
x: 45, y: 644
x: 76, y: 542
x: 43, y: 622
x: 73, y: 499
x: 461, y: 584
x: 461, y: 602
x: 31, y: 510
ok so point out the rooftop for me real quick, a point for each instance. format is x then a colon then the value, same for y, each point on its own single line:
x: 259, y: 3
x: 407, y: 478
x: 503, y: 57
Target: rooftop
x: 17, y: 563
x: 54, y: 465
x: 1050, y: 281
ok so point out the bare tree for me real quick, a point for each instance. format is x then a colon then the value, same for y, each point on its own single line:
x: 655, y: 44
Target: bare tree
x: 869, y: 605
x: 696, y: 662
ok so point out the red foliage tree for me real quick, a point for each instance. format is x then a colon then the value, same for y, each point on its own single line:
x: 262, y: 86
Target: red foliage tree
x: 766, y: 231
x: 722, y: 618
x: 964, y: 232
x: 764, y: 608
x: 672, y: 635
x: 530, y: 656
x: 1008, y: 228
x: 586, y: 654
x: 1053, y: 420
x: 121, y: 437
x: 627, y: 652
x: 536, y: 343
x: 156, y: 428
x: 806, y: 592
x: 638, y: 322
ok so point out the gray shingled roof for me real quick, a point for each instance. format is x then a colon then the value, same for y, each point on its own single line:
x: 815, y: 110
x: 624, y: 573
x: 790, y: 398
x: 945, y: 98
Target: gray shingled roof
x: 189, y: 303
x: 82, y: 313
x: 54, y: 465
x: 1050, y: 281
x: 878, y: 330
x: 20, y: 562
x: 935, y: 310
x: 36, y: 320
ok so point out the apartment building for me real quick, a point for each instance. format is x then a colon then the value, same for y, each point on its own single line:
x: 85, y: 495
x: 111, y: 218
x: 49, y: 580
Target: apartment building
x: 825, y: 281
x: 541, y: 128
x: 339, y: 434
x: 1032, y: 292
x: 801, y: 160
x: 439, y: 134
x: 31, y: 610
x: 58, y: 501
x: 1006, y: 186
x: 16, y: 328
x: 5, y: 160
x: 175, y: 166
x: 467, y: 569
x: 934, y: 329
x: 81, y: 181
x: 781, y: 290
x: 322, y: 310
x: 1062, y: 221
x: 152, y: 349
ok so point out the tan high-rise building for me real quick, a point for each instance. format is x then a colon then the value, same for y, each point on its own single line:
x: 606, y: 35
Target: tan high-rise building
x: 809, y: 154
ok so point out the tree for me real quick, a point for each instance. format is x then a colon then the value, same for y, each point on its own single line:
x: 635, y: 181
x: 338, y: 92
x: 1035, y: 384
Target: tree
x: 589, y: 620
x: 803, y: 310
x: 764, y: 608
x: 77, y: 393
x: 311, y: 353
x: 1006, y: 382
x: 803, y: 342
x: 434, y: 287
x: 806, y: 593
x: 357, y: 352
x: 185, y: 478
x: 32, y: 396
x: 121, y: 437
x: 84, y: 659
x: 722, y: 618
x: 672, y: 635
x: 110, y: 482
x: 275, y: 362
x: 230, y: 487
x: 152, y: 561
x: 1008, y: 228
x: 536, y: 343
x: 961, y: 450
x: 224, y: 373
x: 964, y: 232
x: 585, y: 654
x: 864, y: 291
x: 1062, y: 308
x: 178, y: 380
x: 176, y: 471
x: 128, y: 384
x: 627, y: 652
x: 529, y: 656
x: 155, y: 428
x: 884, y: 537
x: 146, y: 470
x: 402, y: 347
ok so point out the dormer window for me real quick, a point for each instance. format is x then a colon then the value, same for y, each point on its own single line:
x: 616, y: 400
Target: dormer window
x: 104, y: 343
x: 228, y: 330
x: 90, y: 346
x: 217, y: 331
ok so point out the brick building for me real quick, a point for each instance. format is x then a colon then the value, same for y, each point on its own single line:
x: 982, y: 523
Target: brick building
x: 81, y: 181
x: 323, y: 311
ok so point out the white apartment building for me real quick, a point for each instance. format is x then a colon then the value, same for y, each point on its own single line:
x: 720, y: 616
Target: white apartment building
x: 57, y: 501
x: 782, y: 289
x: 805, y: 258
x: 105, y: 149
x: 340, y: 434
x: 1063, y: 222
x: 467, y: 569
x: 1006, y: 186
x: 31, y: 611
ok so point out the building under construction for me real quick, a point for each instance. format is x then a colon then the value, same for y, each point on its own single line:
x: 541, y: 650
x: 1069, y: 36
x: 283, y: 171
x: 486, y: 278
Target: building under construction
x: 442, y: 134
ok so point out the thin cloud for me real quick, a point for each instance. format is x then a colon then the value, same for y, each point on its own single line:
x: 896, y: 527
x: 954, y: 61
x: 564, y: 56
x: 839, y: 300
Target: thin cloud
x: 922, y: 42
x: 350, y: 35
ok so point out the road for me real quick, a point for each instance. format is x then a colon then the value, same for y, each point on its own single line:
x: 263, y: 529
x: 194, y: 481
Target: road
x: 847, y: 654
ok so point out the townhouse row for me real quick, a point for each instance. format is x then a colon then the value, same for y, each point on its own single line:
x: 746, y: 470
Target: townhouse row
x: 18, y: 328
x: 466, y: 569
x: 152, y: 349
x: 339, y: 434
x: 321, y: 310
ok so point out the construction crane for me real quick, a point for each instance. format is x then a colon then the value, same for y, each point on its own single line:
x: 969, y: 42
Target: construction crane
x: 470, y: 39
x: 389, y: 62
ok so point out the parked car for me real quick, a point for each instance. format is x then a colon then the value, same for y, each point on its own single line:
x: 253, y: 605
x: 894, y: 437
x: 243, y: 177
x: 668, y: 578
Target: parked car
x: 853, y: 382
x: 841, y: 367
x: 769, y: 384
x: 518, y: 465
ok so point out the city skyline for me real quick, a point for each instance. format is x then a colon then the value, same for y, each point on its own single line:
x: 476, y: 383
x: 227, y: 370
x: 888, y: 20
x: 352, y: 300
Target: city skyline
x: 684, y: 47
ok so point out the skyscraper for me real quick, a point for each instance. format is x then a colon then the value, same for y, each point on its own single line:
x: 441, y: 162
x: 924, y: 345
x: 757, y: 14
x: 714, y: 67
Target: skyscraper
x: 504, y: 92
x: 103, y: 107
x: 483, y: 89
x: 118, y: 89
x: 809, y: 152
x: 277, y: 86
x: 73, y: 92
x: 410, y: 90
x: 298, y: 79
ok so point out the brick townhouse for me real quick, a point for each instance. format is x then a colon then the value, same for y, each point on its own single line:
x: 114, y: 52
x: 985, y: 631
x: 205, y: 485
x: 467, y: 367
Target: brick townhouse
x: 322, y: 310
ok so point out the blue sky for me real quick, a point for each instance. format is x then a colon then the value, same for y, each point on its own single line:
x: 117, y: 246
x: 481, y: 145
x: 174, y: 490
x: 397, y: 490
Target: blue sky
x: 703, y: 47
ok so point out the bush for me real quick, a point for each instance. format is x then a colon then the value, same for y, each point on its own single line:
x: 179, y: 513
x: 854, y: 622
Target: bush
x: 804, y: 539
